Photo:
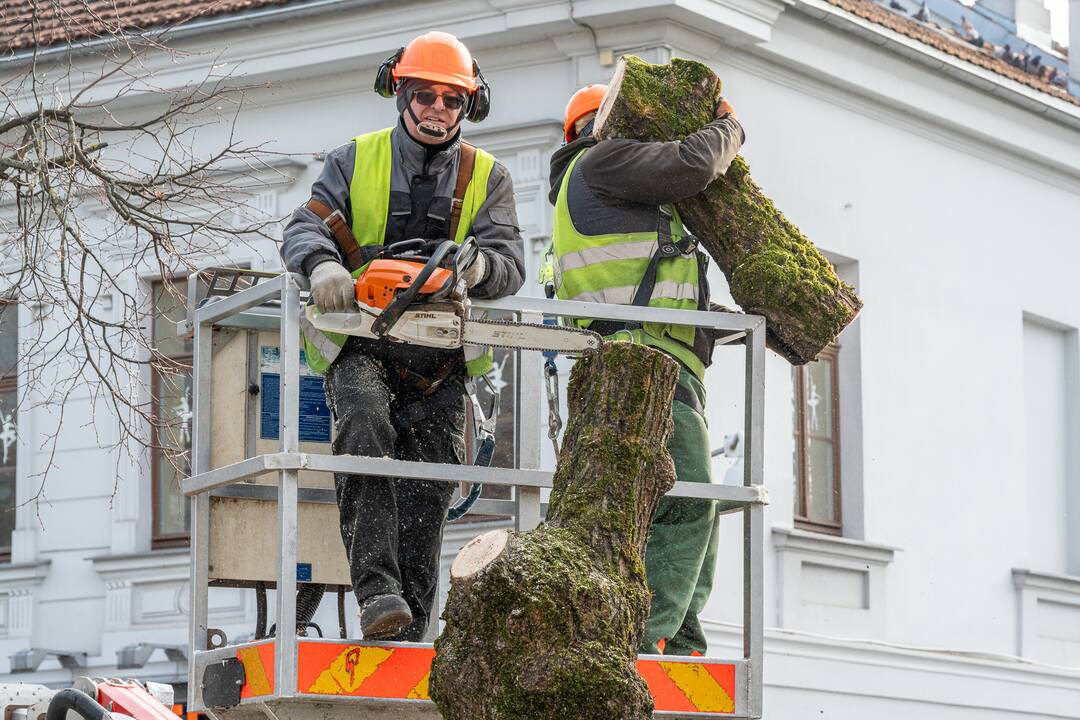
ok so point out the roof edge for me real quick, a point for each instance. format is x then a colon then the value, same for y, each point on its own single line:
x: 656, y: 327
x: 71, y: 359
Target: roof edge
x: 247, y: 18
x: 970, y: 74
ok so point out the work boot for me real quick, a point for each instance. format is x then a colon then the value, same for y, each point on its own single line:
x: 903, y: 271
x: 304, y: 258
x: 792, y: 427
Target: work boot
x: 384, y: 616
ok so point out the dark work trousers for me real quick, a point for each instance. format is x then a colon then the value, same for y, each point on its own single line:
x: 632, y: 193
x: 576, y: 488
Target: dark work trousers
x: 392, y: 528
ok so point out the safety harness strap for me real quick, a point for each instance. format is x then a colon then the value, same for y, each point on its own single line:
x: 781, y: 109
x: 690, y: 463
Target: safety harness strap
x: 355, y: 256
x: 466, y: 161
x: 666, y: 247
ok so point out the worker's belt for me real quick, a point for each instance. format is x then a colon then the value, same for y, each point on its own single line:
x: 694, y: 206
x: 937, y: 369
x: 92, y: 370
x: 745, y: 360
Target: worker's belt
x: 449, y: 393
x: 689, y: 398
x: 441, y: 390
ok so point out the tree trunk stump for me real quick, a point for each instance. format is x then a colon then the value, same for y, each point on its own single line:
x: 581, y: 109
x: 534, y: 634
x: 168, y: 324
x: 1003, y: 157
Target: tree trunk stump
x: 545, y: 625
x: 771, y: 267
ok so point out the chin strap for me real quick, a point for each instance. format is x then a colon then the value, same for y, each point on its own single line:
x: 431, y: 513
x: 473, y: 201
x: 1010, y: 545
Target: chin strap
x: 430, y: 129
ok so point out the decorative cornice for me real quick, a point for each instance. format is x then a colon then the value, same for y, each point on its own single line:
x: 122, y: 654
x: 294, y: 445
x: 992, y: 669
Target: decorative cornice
x: 1025, y: 579
x: 17, y: 576
x: 785, y: 539
x: 173, y: 563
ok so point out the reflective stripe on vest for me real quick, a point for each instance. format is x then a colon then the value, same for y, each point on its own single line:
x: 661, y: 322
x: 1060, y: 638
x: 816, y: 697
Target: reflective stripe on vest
x: 609, y: 268
x: 369, y: 199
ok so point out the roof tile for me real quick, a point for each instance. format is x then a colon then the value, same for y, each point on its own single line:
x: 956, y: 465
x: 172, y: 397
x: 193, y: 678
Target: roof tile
x: 957, y: 47
x: 28, y: 23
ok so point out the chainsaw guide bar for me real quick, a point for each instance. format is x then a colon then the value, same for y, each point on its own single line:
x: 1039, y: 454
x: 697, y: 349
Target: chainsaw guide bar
x: 440, y: 325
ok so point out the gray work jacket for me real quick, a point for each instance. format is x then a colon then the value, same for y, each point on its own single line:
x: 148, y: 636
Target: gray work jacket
x: 308, y: 241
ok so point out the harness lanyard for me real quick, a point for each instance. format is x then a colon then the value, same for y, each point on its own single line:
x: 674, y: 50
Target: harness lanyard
x: 484, y: 429
x: 551, y: 385
x: 551, y: 370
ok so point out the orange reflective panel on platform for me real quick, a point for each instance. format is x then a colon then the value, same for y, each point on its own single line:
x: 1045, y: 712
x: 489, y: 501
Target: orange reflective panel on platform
x: 388, y: 672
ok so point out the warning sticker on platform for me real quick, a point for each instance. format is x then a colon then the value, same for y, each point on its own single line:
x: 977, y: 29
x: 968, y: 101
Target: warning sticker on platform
x: 314, y: 418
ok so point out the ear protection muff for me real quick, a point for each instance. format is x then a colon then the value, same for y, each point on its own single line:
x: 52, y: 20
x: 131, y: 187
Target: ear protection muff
x: 479, y: 102
x: 384, y: 77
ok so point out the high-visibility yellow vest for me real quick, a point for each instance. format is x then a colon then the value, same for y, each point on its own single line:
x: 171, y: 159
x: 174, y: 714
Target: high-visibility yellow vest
x: 369, y: 198
x: 608, y: 269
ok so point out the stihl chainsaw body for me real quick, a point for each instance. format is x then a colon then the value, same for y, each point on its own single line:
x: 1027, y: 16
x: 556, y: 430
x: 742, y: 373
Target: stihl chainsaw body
x: 420, y: 300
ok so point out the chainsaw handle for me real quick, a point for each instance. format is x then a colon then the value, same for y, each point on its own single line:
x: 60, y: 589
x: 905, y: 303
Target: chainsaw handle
x: 389, y: 317
x: 465, y: 256
x: 403, y: 247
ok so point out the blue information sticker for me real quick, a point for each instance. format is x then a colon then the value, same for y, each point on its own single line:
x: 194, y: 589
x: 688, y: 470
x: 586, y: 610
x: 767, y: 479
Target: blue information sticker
x: 303, y: 572
x: 314, y: 420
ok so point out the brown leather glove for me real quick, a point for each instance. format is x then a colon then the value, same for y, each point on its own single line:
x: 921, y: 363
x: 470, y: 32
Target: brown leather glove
x: 723, y: 108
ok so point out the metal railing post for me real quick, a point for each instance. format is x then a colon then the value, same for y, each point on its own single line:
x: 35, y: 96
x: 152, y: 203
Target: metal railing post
x: 529, y: 369
x: 202, y: 365
x: 285, y: 657
x: 753, y: 518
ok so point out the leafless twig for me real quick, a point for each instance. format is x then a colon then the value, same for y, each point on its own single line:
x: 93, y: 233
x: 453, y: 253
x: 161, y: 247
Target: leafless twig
x: 99, y: 196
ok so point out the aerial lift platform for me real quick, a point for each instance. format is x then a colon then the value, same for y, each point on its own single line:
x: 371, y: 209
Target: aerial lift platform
x: 264, y: 514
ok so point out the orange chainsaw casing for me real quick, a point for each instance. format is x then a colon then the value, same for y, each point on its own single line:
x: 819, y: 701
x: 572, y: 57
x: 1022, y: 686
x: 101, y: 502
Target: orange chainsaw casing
x: 380, y: 282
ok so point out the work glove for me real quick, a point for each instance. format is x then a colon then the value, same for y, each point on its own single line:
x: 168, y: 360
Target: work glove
x: 723, y: 109
x: 476, y: 272
x: 332, y: 287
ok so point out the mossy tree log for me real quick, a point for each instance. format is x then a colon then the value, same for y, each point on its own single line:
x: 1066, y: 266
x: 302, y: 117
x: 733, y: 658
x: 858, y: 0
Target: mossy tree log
x: 545, y: 625
x: 771, y: 267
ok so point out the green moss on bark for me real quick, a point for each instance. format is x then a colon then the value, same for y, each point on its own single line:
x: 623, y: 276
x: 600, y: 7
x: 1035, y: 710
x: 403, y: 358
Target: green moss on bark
x: 550, y: 628
x: 772, y: 267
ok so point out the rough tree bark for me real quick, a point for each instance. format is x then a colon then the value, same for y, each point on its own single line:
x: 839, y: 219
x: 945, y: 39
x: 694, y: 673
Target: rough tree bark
x: 771, y: 267
x: 545, y: 625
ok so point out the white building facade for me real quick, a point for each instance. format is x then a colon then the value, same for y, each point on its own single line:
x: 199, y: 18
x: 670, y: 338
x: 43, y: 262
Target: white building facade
x: 923, y: 549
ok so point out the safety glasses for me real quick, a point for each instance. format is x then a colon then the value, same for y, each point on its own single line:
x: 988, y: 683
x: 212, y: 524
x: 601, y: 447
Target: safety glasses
x: 428, y: 97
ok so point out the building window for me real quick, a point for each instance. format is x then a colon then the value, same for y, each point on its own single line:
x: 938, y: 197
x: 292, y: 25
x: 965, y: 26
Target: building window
x: 817, y: 444
x: 170, y: 388
x: 9, y: 406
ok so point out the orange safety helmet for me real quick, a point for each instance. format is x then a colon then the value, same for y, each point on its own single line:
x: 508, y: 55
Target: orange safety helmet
x: 583, y: 102
x: 439, y: 57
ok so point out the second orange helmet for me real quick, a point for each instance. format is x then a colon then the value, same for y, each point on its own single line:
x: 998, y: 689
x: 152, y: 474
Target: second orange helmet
x: 583, y: 102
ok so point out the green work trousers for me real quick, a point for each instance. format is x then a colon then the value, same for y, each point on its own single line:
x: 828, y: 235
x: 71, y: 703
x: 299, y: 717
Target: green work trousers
x: 680, y: 558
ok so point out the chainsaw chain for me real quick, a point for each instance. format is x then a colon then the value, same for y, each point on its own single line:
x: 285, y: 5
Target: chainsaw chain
x: 560, y: 328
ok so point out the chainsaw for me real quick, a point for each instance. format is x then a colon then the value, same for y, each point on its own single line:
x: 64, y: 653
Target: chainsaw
x: 407, y: 295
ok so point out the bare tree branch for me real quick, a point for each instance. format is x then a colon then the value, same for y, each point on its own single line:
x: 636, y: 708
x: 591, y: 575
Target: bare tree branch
x: 97, y: 192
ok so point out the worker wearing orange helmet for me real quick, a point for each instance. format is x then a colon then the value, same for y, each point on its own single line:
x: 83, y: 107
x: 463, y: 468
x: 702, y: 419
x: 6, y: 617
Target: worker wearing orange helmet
x: 618, y: 195
x: 415, y: 180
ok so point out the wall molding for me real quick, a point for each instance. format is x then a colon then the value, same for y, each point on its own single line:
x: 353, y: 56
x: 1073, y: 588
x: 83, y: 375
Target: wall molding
x: 887, y: 676
x: 1048, y: 617
x: 19, y: 583
x: 831, y: 584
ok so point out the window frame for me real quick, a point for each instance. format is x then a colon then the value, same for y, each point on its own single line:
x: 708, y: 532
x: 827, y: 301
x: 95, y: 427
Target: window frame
x: 10, y: 383
x: 164, y: 540
x: 802, y: 437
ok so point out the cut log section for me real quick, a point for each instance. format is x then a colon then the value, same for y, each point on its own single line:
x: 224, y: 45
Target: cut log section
x: 771, y: 267
x: 480, y: 552
x: 545, y: 625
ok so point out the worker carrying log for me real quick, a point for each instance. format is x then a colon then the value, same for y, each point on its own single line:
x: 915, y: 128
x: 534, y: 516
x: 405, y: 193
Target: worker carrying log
x: 416, y: 180
x: 618, y: 239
